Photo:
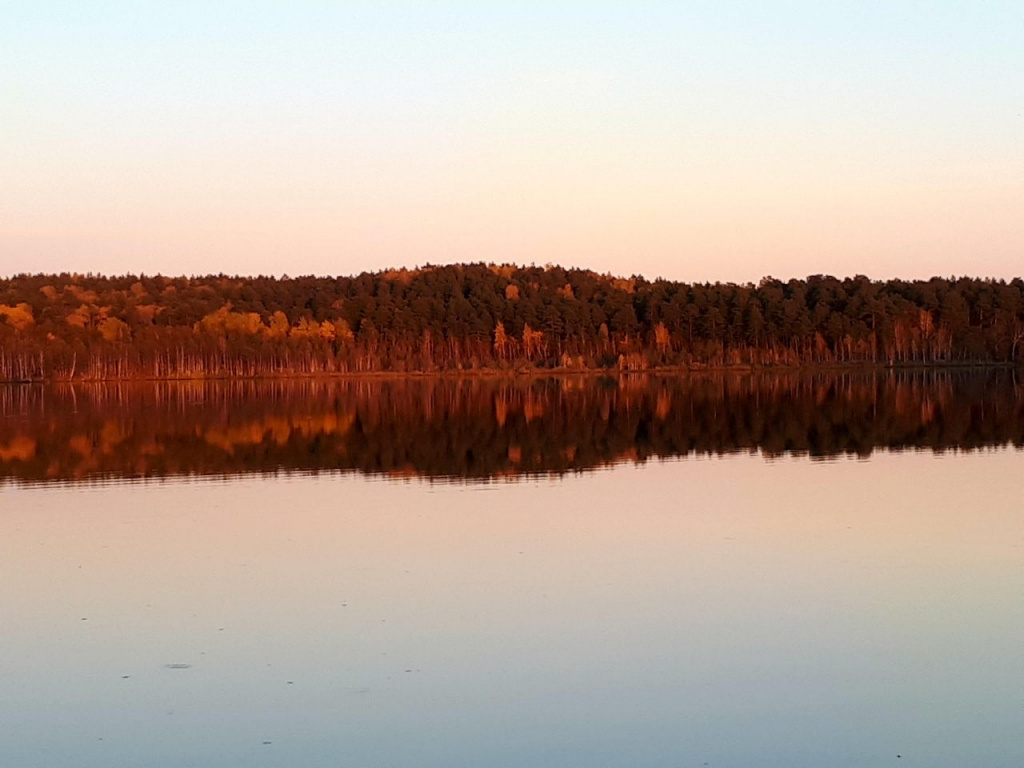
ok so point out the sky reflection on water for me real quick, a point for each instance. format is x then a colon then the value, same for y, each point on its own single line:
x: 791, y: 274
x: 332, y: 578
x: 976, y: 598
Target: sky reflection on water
x: 728, y: 611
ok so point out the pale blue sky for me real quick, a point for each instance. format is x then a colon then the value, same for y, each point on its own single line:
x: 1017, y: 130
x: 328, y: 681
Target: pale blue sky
x: 699, y: 141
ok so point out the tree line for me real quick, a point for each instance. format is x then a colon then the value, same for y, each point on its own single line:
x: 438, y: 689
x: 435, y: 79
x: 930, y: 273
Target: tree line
x: 491, y: 428
x: 486, y: 316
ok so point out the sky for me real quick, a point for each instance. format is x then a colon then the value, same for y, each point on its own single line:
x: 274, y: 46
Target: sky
x: 696, y: 141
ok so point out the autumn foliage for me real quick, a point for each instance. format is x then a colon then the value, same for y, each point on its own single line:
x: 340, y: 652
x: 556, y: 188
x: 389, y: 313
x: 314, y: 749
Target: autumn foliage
x: 480, y: 316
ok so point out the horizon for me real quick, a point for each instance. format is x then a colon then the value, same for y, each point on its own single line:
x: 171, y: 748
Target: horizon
x: 716, y: 142
x: 519, y: 266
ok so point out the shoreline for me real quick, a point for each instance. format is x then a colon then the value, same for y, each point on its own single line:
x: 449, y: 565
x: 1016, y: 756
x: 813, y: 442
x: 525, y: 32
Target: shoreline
x: 536, y: 373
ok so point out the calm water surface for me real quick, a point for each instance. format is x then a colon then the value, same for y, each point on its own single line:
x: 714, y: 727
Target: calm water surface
x: 765, y: 573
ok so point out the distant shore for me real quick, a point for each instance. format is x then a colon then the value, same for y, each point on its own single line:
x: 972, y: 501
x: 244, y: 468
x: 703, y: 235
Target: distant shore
x: 537, y: 373
x: 493, y: 320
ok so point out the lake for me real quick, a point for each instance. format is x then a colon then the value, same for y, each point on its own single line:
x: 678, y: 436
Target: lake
x: 735, y: 570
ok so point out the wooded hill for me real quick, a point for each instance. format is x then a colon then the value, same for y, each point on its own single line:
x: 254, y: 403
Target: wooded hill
x: 484, y: 316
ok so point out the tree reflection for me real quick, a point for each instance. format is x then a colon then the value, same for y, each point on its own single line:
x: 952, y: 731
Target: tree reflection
x: 484, y: 428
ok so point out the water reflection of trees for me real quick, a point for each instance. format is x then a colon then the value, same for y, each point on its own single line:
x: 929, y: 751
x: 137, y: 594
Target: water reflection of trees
x: 485, y: 428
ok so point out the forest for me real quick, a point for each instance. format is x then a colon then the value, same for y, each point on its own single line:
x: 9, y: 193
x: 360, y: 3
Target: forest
x: 491, y: 428
x: 476, y: 317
